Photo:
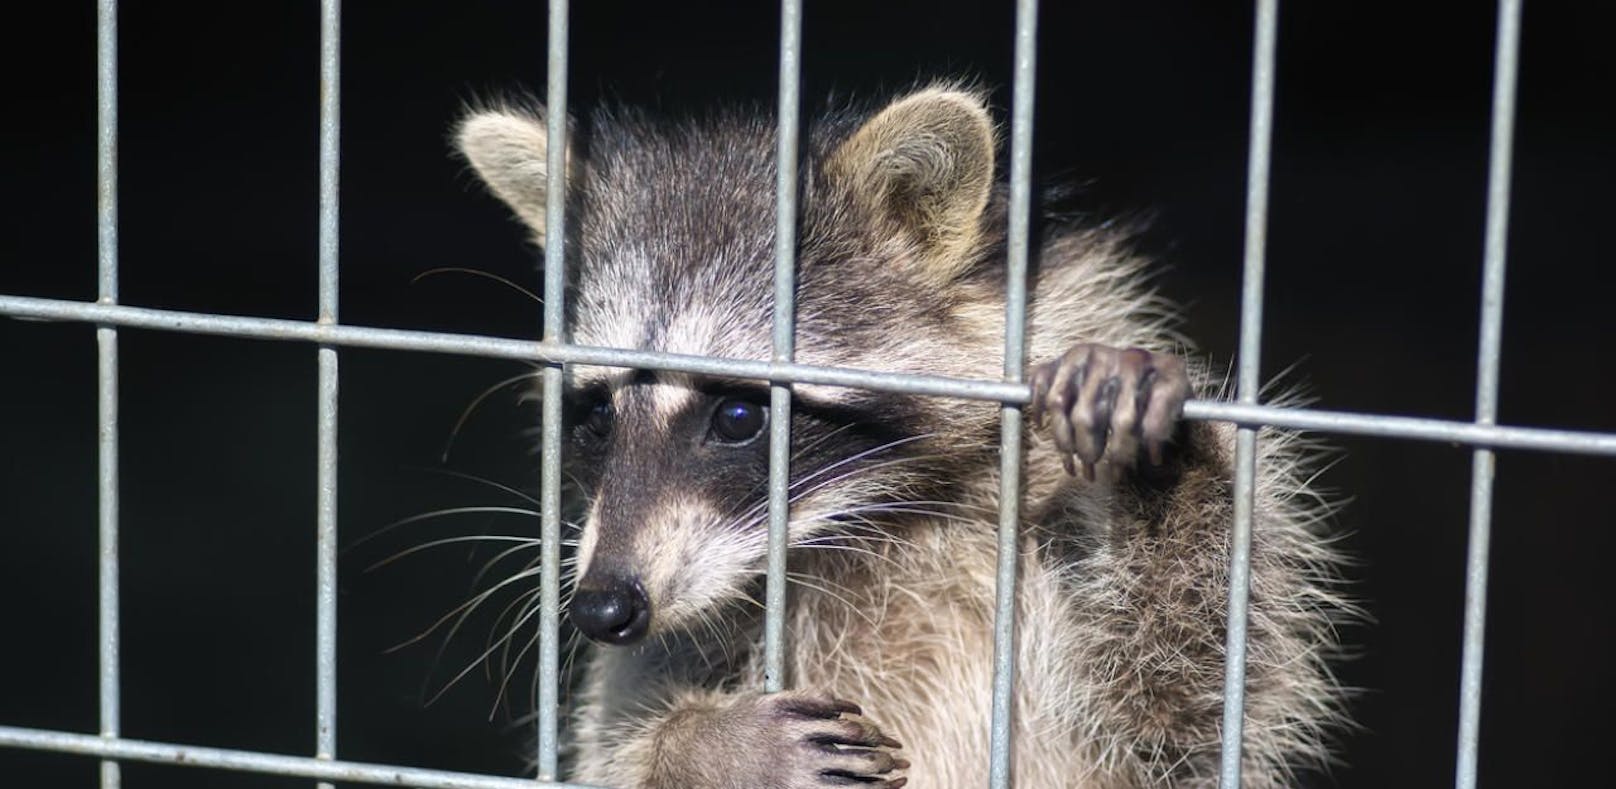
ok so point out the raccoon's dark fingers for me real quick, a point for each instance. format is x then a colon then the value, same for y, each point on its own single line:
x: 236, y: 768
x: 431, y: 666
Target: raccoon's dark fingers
x: 850, y: 732
x: 1066, y: 377
x: 860, y: 762
x: 814, y: 706
x: 1093, y: 400
x: 836, y: 779
x: 1042, y: 375
x: 1135, y: 374
x: 1159, y: 414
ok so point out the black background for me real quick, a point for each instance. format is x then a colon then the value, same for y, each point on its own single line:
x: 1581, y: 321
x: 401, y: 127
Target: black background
x: 1375, y: 249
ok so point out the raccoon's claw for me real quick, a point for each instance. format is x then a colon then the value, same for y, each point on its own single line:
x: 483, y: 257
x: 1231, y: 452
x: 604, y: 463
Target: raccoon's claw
x: 808, y: 740
x: 1107, y: 403
x: 816, y: 706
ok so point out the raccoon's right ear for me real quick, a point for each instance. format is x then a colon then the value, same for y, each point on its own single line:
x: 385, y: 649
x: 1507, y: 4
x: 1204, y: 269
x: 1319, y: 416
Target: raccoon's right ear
x: 509, y: 149
x: 926, y: 163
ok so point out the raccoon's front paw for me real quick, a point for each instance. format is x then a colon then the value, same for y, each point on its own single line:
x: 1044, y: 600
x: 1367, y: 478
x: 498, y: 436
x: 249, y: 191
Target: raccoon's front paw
x: 1108, y: 403
x: 804, y: 739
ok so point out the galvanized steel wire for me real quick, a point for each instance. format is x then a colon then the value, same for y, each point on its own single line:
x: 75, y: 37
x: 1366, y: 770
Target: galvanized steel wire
x: 784, y: 342
x: 1500, y: 149
x: 325, y: 715
x: 106, y: 340
x: 555, y: 281
x: 1248, y: 386
x: 1000, y: 744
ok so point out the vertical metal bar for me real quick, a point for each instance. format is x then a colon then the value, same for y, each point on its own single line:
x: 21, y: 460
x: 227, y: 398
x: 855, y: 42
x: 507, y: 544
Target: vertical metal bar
x: 785, y: 252
x: 1010, y: 421
x: 1251, y: 303
x: 326, y: 498
x: 106, y: 340
x: 1506, y: 63
x: 555, y: 280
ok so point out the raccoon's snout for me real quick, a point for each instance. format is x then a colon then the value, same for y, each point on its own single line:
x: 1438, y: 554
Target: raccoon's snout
x: 618, y: 612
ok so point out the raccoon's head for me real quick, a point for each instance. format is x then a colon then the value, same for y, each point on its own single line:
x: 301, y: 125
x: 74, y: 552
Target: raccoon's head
x: 670, y: 247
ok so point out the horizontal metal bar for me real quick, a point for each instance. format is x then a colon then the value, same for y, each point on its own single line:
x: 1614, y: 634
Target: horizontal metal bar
x: 502, y: 348
x: 254, y: 762
x: 1404, y: 427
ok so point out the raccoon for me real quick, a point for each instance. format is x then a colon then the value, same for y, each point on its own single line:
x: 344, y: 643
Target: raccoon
x: 1126, y: 510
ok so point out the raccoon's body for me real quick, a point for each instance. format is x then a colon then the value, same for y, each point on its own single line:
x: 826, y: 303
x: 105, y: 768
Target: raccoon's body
x: 1122, y: 593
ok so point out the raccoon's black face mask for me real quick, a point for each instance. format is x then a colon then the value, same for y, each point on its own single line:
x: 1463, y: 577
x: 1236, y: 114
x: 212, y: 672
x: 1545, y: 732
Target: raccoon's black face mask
x: 670, y: 249
x: 676, y: 472
x: 657, y: 461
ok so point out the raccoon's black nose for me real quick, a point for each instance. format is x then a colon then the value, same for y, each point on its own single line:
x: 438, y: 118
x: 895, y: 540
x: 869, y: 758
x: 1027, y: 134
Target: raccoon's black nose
x: 617, y: 613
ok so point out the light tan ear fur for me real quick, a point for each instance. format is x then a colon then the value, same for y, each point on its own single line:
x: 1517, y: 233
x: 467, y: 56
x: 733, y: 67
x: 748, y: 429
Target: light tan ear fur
x: 509, y: 150
x: 926, y: 163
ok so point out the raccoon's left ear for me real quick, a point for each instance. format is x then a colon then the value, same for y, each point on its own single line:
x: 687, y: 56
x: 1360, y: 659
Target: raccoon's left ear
x: 926, y: 163
x: 509, y: 148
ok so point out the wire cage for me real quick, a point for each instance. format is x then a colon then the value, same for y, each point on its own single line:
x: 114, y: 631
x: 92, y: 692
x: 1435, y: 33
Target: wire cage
x: 328, y: 335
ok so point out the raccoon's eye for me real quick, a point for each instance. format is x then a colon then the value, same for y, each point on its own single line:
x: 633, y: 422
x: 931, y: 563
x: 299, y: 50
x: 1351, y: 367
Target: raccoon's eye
x: 738, y: 421
x: 600, y: 417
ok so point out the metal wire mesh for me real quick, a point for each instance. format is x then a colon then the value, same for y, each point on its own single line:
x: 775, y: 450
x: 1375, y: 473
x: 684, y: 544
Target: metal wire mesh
x: 1248, y: 387
x: 109, y: 316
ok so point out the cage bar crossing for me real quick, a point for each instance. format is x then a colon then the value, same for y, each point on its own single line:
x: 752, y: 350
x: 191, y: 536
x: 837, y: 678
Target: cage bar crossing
x: 108, y: 316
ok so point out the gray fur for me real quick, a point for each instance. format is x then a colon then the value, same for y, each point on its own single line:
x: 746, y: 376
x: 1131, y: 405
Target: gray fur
x: 1122, y: 592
